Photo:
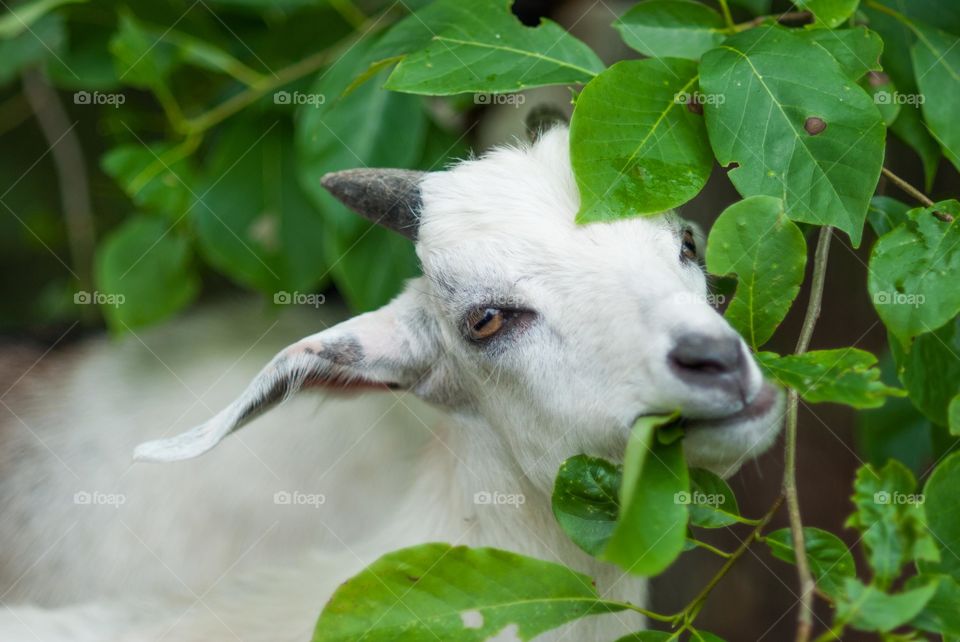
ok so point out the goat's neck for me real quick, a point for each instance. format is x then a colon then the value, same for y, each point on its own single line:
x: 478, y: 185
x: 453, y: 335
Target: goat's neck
x: 467, y: 463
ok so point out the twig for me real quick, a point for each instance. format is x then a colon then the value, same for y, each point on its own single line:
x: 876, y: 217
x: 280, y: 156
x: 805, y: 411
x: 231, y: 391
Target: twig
x: 709, y: 547
x: 71, y: 171
x: 299, y: 69
x: 908, y: 188
x: 807, y: 585
x: 802, y: 17
x: 727, y: 17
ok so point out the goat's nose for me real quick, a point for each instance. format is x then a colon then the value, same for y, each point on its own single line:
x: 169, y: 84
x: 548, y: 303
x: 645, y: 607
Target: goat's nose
x: 709, y: 360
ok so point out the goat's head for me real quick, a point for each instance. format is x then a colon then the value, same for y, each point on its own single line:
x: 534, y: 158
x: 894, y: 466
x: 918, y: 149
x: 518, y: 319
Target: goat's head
x: 557, y: 335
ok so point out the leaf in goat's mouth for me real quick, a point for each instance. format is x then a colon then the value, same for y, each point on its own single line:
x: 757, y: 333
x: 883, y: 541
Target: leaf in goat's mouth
x: 652, y: 525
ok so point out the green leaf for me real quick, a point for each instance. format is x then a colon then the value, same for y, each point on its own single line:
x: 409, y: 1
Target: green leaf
x: 711, y: 501
x: 635, y: 146
x: 652, y: 528
x: 205, y: 55
x: 936, y: 65
x: 368, y: 127
x: 884, y: 94
x: 585, y: 500
x: 909, y: 127
x: 20, y: 18
x: 940, y: 615
x: 895, y: 431
x: 886, y: 213
x: 794, y: 88
x: 846, y: 375
x: 953, y: 416
x: 755, y: 240
x: 45, y: 38
x: 252, y: 220
x: 831, y: 562
x: 677, y: 28
x: 829, y: 13
x: 912, y: 275
x: 484, y: 48
x: 869, y: 608
x: 856, y: 50
x: 155, y: 177
x: 943, y: 516
x: 144, y: 274
x: 436, y: 591
x: 929, y: 369
x: 898, y: 39
x: 890, y: 515
x: 140, y: 59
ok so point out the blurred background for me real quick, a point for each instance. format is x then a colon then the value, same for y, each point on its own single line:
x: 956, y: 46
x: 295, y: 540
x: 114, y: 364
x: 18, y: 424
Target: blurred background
x: 157, y: 156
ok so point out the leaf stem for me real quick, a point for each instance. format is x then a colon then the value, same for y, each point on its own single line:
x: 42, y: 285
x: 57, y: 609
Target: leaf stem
x: 299, y: 69
x: 727, y: 17
x: 907, y: 187
x: 709, y: 547
x: 807, y: 585
x: 802, y: 17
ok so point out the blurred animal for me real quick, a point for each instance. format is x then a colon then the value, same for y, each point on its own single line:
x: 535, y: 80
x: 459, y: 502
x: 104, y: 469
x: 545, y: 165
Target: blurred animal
x: 536, y: 338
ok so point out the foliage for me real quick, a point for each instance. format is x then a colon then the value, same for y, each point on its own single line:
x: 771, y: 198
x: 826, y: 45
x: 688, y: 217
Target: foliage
x: 221, y: 176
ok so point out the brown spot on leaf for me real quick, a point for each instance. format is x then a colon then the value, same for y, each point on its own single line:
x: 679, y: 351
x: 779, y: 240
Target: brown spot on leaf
x: 694, y: 107
x: 877, y: 78
x: 943, y: 216
x: 814, y: 125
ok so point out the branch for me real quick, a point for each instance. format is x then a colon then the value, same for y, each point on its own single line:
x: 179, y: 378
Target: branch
x: 71, y: 171
x: 807, y: 585
x: 285, y: 76
x: 801, y: 17
x: 907, y: 187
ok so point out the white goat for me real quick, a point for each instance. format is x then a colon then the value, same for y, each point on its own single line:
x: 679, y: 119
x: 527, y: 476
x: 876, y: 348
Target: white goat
x: 539, y: 338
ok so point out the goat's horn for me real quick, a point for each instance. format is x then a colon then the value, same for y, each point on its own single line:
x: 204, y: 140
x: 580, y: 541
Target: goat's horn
x: 388, y: 197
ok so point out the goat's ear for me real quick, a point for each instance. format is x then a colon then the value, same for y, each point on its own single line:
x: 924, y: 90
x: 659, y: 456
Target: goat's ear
x: 388, y: 197
x: 386, y: 349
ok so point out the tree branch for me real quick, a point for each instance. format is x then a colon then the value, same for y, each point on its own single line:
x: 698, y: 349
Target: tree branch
x: 807, y: 585
x: 907, y: 187
x: 71, y: 171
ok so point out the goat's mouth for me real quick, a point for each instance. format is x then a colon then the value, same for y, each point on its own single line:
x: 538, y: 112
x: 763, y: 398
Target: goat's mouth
x: 762, y: 405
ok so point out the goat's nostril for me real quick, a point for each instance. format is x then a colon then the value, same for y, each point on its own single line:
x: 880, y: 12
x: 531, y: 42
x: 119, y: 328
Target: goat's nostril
x: 701, y: 355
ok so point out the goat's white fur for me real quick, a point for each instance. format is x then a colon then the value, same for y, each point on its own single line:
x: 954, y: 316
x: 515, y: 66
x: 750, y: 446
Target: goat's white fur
x: 610, y: 300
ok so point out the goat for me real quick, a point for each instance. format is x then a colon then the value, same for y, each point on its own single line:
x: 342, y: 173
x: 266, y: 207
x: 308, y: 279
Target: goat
x: 537, y: 338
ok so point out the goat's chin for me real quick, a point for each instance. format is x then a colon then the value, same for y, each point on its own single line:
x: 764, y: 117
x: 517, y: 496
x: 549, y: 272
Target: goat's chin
x: 723, y: 444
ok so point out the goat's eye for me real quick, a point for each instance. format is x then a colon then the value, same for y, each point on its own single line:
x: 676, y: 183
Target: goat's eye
x: 483, y: 323
x: 688, y: 247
